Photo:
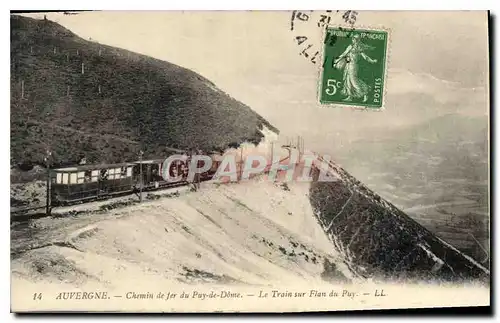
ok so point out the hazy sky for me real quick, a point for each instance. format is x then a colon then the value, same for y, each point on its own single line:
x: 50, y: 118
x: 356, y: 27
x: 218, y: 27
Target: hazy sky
x: 437, y: 64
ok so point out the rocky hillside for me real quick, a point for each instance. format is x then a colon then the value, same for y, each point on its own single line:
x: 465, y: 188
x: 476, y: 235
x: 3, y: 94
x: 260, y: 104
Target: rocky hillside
x: 81, y: 98
x: 382, y: 241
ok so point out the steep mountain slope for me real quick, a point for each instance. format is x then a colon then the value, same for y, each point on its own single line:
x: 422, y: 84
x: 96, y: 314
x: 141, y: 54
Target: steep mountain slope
x: 382, y: 241
x: 253, y: 232
x: 248, y: 233
x: 80, y: 98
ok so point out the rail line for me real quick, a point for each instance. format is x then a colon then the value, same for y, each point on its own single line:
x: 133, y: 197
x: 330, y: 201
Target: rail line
x: 20, y: 213
x: 23, y: 214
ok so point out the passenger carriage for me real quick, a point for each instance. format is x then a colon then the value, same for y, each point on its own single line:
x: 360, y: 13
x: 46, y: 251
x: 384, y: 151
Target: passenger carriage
x: 81, y: 183
x: 152, y: 173
x: 88, y: 182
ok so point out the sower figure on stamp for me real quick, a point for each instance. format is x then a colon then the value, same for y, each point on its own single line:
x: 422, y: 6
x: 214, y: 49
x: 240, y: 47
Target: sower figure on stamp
x: 354, y: 87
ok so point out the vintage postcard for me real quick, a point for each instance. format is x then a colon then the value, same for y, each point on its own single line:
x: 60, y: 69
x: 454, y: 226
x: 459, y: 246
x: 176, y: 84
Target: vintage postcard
x: 249, y: 161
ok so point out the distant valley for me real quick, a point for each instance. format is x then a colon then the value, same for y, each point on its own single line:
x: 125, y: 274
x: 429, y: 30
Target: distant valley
x: 437, y: 172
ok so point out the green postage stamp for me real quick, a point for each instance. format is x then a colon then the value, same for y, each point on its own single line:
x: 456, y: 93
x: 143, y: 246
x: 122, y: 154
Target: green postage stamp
x: 354, y: 67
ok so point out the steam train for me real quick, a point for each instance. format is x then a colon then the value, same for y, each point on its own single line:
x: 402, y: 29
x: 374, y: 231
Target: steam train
x: 82, y: 183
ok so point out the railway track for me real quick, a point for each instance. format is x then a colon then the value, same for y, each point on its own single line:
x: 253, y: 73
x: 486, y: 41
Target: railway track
x: 27, y: 213
x: 18, y: 210
x: 19, y: 213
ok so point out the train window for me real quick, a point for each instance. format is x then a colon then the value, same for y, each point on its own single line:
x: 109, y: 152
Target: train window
x: 94, y: 175
x: 73, y: 178
x: 111, y: 171
x: 129, y: 171
x: 104, y: 174
x: 80, y: 179
x: 87, y: 176
x: 123, y: 171
x: 117, y: 170
x: 59, y: 178
x: 65, y: 178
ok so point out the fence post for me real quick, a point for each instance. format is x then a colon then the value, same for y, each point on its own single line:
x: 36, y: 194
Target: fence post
x: 140, y: 176
x: 48, y: 201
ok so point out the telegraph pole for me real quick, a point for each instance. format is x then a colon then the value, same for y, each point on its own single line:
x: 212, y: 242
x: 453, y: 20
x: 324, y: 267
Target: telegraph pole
x: 241, y: 163
x: 272, y: 152
x: 140, y: 175
x: 48, y: 201
x: 300, y: 144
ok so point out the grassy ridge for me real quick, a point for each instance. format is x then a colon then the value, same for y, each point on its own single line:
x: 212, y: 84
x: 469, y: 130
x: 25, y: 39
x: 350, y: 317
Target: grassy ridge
x: 123, y: 102
x: 383, y: 241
